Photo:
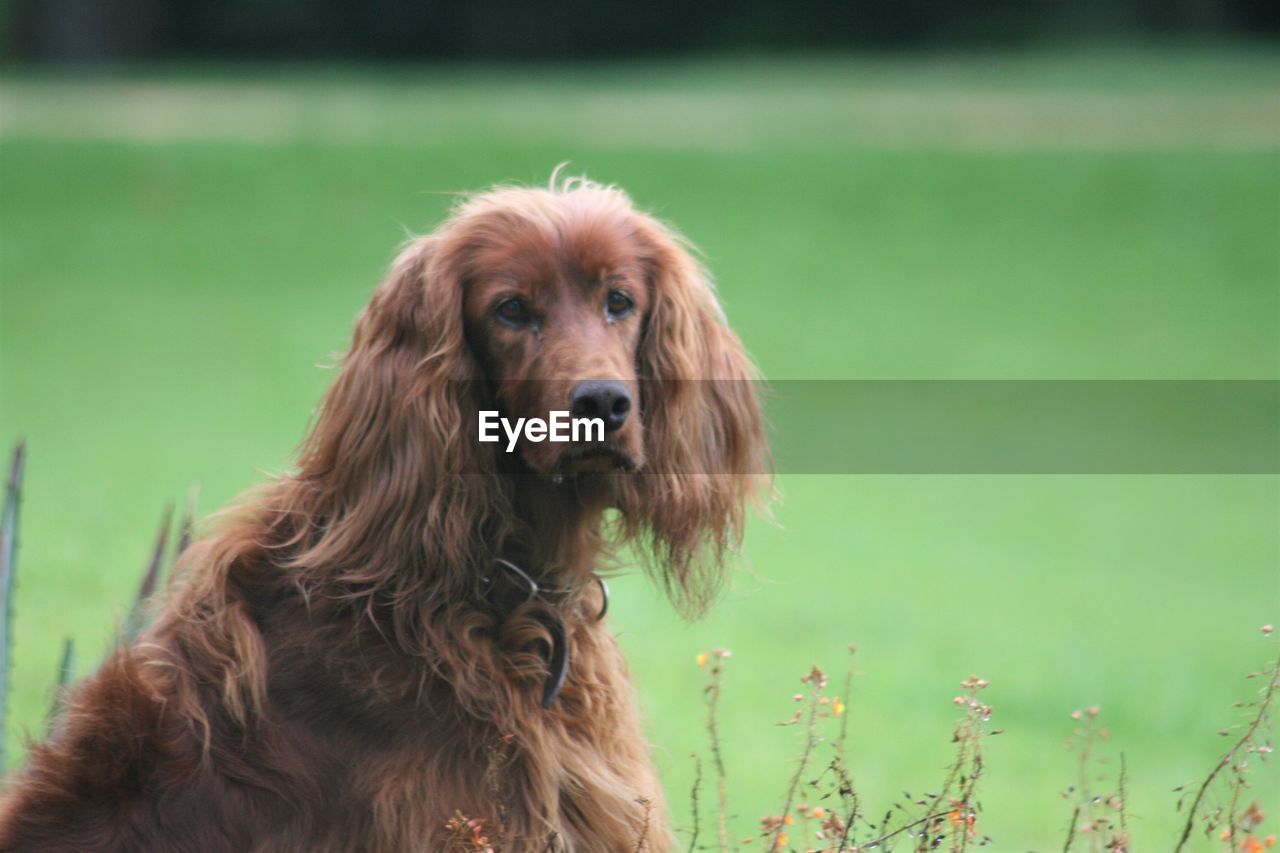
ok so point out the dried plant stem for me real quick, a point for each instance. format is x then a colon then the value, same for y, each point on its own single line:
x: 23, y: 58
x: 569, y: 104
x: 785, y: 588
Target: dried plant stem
x: 843, y: 738
x: 1083, y: 800
x: 1071, y: 830
x: 717, y: 659
x: 1093, y: 809
x: 967, y: 789
x: 1231, y: 815
x: 962, y: 778
x: 722, y: 803
x: 1264, y: 708
x: 1085, y: 752
x: 693, y: 798
x: 968, y: 768
x: 643, y: 840
x: 906, y: 827
x: 1124, y: 799
x: 933, y: 808
x: 844, y: 778
x: 816, y: 681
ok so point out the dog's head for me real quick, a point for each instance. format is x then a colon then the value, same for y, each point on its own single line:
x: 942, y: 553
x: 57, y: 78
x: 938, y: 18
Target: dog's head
x: 556, y: 301
x: 529, y: 302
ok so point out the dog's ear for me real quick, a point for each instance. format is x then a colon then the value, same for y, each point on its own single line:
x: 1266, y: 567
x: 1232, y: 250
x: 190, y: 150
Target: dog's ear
x: 402, y: 487
x: 704, y: 432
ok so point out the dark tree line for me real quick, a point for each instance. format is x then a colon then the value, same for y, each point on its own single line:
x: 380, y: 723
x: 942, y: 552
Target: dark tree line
x: 89, y: 30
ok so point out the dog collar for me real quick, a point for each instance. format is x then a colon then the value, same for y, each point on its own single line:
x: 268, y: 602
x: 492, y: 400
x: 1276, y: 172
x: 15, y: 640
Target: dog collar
x: 525, y: 590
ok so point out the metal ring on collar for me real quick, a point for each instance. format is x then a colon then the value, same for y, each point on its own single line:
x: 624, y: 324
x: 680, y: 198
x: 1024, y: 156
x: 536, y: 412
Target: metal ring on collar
x: 531, y: 586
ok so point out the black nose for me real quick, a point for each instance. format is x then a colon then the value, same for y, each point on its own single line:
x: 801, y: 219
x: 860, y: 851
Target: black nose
x: 606, y: 399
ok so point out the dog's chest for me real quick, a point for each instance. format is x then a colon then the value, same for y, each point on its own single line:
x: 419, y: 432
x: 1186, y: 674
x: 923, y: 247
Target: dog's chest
x: 576, y: 777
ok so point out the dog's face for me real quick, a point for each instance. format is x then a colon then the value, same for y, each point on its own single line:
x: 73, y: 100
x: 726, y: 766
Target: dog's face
x: 555, y: 318
x: 533, y: 301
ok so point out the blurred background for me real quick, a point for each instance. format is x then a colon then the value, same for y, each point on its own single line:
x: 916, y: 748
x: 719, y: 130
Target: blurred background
x: 196, y: 198
x: 62, y: 31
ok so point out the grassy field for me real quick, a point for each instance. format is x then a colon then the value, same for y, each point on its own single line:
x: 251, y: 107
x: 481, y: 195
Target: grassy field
x: 181, y: 249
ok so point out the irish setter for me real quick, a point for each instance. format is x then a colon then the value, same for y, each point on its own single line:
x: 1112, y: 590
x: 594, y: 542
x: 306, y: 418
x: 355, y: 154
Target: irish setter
x: 399, y: 645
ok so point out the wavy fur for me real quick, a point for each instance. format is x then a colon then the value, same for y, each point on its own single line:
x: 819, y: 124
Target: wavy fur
x: 324, y: 673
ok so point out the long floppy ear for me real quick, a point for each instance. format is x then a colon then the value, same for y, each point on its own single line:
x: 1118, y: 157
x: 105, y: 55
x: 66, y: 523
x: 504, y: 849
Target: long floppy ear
x: 402, y: 497
x: 704, y: 432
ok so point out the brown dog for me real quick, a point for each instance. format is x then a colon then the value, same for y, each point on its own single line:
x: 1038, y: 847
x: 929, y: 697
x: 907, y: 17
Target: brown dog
x: 399, y: 646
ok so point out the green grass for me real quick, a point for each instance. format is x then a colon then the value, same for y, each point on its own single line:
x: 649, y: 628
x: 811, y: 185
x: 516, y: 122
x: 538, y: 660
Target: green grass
x: 171, y: 282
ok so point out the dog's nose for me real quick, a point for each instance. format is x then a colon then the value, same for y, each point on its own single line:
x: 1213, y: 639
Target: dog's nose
x: 606, y: 399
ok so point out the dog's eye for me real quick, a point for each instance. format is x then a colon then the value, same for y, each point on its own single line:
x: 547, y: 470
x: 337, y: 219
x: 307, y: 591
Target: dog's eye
x: 513, y: 311
x: 618, y: 304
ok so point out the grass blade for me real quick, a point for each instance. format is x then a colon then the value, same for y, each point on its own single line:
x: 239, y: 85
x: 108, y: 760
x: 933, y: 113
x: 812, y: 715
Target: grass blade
x: 8, y: 570
x: 66, y: 665
x: 186, y: 527
x: 137, y: 618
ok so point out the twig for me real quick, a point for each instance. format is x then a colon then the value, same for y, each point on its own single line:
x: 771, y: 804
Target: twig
x: 1264, y: 708
x: 717, y: 659
x: 843, y: 777
x: 965, y: 771
x: 1124, y: 800
x: 816, y: 681
x: 1101, y: 829
x: 693, y: 796
x: 1071, y: 830
x: 1231, y: 816
x: 928, y: 818
x: 644, y: 828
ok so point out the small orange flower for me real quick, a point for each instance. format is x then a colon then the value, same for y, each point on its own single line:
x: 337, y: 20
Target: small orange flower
x: 789, y: 820
x: 819, y: 812
x: 837, y: 707
x: 702, y: 658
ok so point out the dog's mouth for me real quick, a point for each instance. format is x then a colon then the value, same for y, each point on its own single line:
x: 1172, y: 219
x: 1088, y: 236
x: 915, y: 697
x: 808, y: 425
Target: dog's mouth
x: 592, y: 459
